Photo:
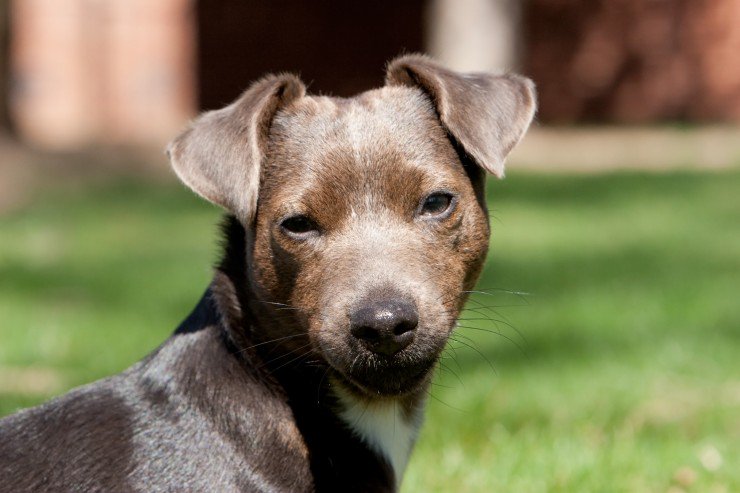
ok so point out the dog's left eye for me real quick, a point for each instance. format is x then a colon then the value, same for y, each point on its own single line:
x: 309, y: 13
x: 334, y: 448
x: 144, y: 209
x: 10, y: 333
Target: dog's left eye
x: 299, y: 227
x: 437, y: 204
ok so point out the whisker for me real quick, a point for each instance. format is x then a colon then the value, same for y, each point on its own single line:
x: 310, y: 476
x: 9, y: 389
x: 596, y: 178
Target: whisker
x: 495, y: 321
x: 503, y: 290
x: 519, y: 294
x: 491, y: 331
x: 300, y: 356
x: 272, y: 341
x: 273, y: 360
x: 430, y: 394
x: 479, y: 352
x: 502, y: 319
x: 321, y: 381
x: 276, y: 303
x: 481, y: 305
x: 443, y: 366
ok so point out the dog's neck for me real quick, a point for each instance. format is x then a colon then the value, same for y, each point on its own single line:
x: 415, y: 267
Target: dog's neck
x: 329, y: 414
x: 389, y: 427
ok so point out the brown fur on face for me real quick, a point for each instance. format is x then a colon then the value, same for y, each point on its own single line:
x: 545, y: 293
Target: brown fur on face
x: 358, y: 171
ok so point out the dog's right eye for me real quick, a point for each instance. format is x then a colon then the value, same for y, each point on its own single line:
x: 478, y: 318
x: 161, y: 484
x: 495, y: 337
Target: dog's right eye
x: 299, y: 227
x: 437, y: 205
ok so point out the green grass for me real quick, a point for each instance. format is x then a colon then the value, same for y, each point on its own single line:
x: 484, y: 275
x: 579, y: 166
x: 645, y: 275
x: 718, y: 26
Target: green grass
x: 625, y: 378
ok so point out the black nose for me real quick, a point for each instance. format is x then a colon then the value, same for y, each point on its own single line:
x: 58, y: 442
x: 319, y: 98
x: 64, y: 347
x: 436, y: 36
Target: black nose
x: 385, y: 326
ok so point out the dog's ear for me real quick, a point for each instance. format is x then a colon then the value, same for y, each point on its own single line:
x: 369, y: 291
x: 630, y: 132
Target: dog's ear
x: 219, y: 156
x: 485, y: 113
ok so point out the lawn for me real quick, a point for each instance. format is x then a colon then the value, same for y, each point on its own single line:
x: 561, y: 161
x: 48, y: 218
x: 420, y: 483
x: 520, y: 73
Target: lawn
x: 617, y: 371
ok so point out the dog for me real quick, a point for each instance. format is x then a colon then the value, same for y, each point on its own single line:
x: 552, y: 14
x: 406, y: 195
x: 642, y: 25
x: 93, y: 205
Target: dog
x: 355, y: 229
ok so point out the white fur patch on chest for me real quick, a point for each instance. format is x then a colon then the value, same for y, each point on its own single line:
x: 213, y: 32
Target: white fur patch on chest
x: 383, y: 426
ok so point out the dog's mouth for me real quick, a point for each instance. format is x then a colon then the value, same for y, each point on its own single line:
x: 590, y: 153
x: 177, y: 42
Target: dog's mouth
x: 376, y: 376
x: 385, y: 366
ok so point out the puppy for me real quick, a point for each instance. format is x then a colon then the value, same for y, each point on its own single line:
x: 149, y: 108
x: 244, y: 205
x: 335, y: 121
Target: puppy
x: 356, y: 228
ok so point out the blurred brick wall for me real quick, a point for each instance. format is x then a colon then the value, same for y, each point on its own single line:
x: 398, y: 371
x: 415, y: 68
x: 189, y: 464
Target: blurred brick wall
x: 4, y: 23
x: 133, y: 71
x: 87, y: 72
x: 634, y: 60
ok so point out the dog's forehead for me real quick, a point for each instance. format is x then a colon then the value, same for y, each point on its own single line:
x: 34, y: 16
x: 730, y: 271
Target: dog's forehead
x: 391, y: 121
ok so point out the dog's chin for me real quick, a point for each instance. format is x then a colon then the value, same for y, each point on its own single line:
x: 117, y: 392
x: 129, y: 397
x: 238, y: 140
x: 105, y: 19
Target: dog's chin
x: 381, y: 379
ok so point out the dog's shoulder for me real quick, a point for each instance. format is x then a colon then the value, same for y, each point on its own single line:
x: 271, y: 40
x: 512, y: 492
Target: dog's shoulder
x: 186, y: 417
x: 70, y: 440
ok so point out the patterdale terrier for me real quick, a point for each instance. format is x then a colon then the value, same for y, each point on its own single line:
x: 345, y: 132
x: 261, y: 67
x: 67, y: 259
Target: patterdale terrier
x: 355, y: 230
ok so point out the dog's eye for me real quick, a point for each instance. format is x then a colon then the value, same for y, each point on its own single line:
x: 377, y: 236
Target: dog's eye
x: 299, y: 226
x: 436, y: 204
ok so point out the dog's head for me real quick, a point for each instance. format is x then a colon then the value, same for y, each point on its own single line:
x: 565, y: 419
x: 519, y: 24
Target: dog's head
x: 365, y: 217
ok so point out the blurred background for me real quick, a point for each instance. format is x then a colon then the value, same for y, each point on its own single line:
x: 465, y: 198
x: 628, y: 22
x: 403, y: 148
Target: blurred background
x: 603, y: 352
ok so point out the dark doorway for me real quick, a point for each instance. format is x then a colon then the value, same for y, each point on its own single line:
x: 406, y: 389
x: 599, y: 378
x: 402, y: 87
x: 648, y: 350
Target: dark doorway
x: 338, y: 47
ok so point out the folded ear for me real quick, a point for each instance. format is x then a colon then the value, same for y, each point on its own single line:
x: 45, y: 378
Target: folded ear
x: 219, y: 156
x: 485, y: 113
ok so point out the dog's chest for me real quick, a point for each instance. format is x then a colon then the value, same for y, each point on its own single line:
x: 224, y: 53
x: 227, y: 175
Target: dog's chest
x: 385, y: 427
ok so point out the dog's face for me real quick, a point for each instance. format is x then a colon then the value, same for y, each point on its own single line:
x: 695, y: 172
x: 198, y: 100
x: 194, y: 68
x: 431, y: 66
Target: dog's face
x: 365, y: 227
x: 370, y: 227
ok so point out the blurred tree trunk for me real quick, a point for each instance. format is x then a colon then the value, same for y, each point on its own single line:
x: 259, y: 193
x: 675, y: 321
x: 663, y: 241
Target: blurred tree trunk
x: 471, y: 35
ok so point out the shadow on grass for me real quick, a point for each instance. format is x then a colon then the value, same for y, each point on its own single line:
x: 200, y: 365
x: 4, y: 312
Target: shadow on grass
x: 592, y: 306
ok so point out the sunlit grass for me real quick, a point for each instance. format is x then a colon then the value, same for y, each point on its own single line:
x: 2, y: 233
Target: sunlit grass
x: 621, y: 371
